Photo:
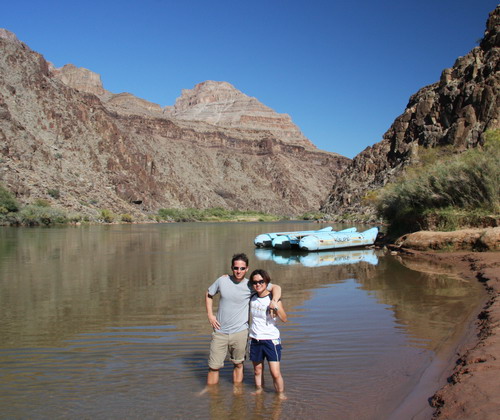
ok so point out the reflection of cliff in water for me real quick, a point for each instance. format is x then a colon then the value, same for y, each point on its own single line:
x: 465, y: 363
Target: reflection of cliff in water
x: 55, y: 283
x: 426, y: 300
x: 60, y: 281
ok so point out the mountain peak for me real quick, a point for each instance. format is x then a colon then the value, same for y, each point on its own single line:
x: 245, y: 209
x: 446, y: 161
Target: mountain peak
x: 9, y: 36
x: 80, y: 78
x: 221, y: 104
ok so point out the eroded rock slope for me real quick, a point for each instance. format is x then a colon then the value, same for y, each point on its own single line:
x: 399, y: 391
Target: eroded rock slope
x: 61, y: 130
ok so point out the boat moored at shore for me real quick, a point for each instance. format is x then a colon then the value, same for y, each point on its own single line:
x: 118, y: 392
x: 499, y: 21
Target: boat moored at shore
x: 291, y: 240
x: 333, y: 240
x: 265, y: 240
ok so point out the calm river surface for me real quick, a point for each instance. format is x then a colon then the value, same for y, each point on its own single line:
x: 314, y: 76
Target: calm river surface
x: 109, y: 322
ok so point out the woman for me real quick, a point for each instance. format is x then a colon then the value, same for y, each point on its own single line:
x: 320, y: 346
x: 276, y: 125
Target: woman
x: 265, y: 340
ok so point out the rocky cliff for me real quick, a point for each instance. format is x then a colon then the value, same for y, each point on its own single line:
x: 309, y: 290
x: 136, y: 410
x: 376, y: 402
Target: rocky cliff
x: 216, y: 103
x: 219, y: 103
x: 456, y: 111
x: 60, y: 130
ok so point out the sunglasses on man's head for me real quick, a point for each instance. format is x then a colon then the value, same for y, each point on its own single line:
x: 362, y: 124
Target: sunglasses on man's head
x: 239, y: 268
x: 258, y: 282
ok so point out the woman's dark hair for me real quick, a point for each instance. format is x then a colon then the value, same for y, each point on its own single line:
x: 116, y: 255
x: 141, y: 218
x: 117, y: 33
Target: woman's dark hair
x: 262, y: 273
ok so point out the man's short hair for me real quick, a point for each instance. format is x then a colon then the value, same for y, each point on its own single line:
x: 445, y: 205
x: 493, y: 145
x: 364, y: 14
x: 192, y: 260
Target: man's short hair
x: 239, y: 257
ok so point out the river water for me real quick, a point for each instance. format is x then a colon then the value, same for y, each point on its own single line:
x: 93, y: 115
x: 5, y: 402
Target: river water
x: 108, y: 322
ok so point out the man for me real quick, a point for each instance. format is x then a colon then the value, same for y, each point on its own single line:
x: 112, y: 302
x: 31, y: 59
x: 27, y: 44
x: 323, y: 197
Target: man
x: 231, y: 323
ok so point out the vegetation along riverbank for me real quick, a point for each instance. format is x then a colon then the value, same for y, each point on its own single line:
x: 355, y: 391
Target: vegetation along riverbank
x: 41, y: 213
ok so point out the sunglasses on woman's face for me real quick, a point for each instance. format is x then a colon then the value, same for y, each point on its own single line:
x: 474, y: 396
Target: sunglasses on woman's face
x: 258, y: 282
x: 239, y: 268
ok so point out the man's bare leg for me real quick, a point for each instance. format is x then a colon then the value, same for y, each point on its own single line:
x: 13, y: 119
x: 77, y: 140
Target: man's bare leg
x: 238, y: 373
x: 213, y: 376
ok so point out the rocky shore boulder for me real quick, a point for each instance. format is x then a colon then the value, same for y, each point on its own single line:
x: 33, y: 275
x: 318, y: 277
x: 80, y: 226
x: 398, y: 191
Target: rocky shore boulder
x: 455, y: 111
x: 487, y: 239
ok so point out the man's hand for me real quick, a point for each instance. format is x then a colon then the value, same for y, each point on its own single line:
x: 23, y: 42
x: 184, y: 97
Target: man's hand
x: 273, y: 305
x: 210, y: 314
x: 273, y: 309
x: 213, y: 322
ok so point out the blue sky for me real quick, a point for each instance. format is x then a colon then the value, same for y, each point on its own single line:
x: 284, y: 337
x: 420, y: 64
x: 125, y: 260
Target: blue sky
x: 343, y: 70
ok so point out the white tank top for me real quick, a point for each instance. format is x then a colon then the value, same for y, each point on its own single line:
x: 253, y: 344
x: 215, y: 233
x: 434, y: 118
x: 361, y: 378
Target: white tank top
x: 263, y: 326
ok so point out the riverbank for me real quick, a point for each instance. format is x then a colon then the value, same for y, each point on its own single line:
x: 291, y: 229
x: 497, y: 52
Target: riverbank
x: 45, y: 215
x: 473, y: 387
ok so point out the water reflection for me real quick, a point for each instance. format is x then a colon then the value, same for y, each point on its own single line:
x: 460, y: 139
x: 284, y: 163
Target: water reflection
x: 424, y: 300
x: 317, y: 259
x: 109, y: 322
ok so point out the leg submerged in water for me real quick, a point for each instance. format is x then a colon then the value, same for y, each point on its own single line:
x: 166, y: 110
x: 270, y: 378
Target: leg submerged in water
x: 238, y: 373
x: 279, y: 383
x: 258, y: 370
x: 213, y: 377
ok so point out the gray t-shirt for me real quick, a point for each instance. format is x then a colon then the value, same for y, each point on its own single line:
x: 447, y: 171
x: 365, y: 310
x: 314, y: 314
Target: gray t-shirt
x: 234, y: 303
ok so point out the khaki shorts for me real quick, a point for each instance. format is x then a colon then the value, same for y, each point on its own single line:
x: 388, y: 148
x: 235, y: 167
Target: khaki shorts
x: 221, y: 344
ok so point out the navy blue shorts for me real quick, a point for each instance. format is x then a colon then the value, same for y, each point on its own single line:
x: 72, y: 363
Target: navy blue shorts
x: 265, y: 349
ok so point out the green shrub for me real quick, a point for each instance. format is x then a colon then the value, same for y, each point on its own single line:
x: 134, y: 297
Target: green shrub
x: 7, y: 201
x: 40, y: 202
x: 107, y: 216
x: 33, y: 215
x: 460, y: 183
x: 12, y: 219
x: 54, y: 193
x: 212, y: 214
x: 449, y: 218
x: 492, y: 140
x: 312, y: 216
x: 127, y: 218
x: 75, y: 218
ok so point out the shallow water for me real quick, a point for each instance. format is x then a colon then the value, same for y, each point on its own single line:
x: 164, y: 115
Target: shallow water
x: 109, y: 322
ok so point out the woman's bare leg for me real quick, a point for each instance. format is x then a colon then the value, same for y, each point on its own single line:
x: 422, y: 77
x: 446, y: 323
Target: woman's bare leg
x: 258, y: 370
x: 279, y: 384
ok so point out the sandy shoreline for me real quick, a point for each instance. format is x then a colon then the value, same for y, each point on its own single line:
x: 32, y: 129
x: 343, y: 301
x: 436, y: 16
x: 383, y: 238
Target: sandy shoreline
x: 474, y: 385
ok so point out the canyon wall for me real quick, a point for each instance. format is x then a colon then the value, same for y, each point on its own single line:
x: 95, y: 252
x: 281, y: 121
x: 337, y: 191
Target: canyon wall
x: 455, y: 112
x: 61, y: 130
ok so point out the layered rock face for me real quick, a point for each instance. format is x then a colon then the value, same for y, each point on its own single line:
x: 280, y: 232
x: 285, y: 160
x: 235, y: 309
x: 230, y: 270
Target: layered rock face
x: 216, y: 103
x: 455, y: 111
x: 61, y: 130
x: 87, y: 81
x: 79, y: 78
x: 220, y: 104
